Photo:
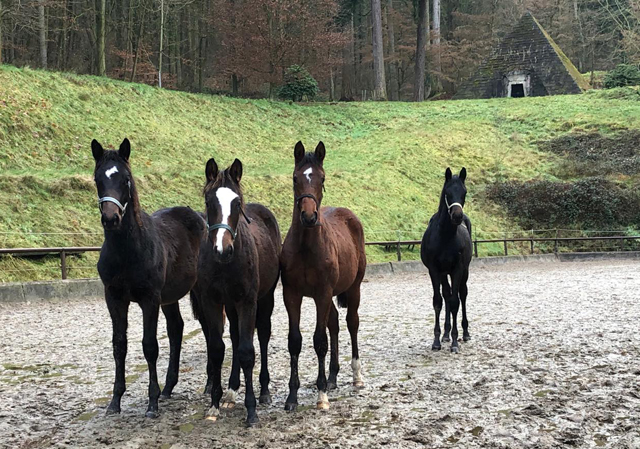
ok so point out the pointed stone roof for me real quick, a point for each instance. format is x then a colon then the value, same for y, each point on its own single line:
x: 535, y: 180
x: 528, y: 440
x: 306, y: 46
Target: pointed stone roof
x: 530, y: 52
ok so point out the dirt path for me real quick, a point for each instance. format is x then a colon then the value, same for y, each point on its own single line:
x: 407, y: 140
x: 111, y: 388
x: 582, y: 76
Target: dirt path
x: 554, y: 362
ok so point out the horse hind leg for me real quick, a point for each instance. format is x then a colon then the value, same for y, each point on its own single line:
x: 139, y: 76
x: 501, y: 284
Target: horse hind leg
x: 263, y: 322
x: 334, y: 330
x: 150, y: 311
x: 437, y: 308
x: 175, y: 327
x: 213, y: 315
x: 230, y: 396
x: 466, y: 336
x: 353, y: 324
x: 446, y: 293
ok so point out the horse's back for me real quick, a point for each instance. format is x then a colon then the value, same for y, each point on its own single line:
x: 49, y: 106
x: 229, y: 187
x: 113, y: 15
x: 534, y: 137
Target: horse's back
x: 266, y: 234
x: 349, y: 236
x: 181, y: 230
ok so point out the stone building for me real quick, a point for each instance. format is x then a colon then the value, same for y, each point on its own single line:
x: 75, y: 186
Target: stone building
x: 526, y: 63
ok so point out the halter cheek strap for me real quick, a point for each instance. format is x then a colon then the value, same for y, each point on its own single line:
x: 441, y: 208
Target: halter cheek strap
x: 110, y: 199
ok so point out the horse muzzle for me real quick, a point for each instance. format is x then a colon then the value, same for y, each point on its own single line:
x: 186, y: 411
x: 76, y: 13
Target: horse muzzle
x: 308, y: 220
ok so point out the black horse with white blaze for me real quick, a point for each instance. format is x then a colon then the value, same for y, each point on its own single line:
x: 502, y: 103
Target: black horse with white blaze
x: 446, y: 251
x: 151, y: 260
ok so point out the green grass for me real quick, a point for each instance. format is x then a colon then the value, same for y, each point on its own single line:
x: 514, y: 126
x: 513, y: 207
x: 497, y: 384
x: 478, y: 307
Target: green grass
x: 384, y: 160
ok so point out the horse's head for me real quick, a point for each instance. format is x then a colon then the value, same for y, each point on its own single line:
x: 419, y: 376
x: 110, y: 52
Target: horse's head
x: 454, y: 193
x: 113, y: 181
x: 308, y: 183
x: 224, y: 202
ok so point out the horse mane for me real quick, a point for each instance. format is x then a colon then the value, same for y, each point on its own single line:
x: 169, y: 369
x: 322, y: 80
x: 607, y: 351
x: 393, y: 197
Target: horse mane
x: 112, y: 155
x: 224, y: 179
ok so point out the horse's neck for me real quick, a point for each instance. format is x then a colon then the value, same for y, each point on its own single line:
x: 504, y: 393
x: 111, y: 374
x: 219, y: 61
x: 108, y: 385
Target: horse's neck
x: 128, y: 238
x: 445, y: 226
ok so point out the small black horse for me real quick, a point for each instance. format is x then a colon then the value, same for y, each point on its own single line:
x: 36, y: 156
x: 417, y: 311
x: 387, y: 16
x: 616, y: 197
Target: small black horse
x: 238, y: 271
x: 150, y: 260
x: 446, y: 251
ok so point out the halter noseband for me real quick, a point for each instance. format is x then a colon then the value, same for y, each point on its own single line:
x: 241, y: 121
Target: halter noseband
x: 110, y: 199
x: 306, y: 195
x: 453, y: 204
x: 226, y: 227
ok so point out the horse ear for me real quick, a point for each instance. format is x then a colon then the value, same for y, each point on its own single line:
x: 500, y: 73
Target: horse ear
x: 320, y: 152
x: 97, y: 150
x: 298, y: 152
x: 463, y: 174
x: 125, y: 149
x: 448, y: 175
x: 236, y: 170
x: 211, y: 170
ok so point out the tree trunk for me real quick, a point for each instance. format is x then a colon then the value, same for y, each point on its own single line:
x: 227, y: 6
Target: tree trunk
x: 1, y: 42
x: 421, y: 50
x: 161, y: 43
x: 436, y: 41
x: 101, y: 10
x: 138, y: 44
x: 393, y: 70
x: 347, y: 64
x: 234, y: 85
x: 332, y: 85
x: 379, y: 83
x: 42, y: 32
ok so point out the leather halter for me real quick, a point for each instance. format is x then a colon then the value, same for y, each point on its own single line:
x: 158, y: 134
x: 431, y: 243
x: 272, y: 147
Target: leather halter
x: 110, y: 199
x: 306, y: 195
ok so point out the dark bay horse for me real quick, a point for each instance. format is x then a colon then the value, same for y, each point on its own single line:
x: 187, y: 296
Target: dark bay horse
x: 238, y: 270
x: 323, y: 256
x: 446, y: 251
x: 149, y: 260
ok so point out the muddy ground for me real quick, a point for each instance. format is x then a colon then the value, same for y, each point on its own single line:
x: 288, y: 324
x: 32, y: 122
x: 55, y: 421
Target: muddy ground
x: 554, y: 362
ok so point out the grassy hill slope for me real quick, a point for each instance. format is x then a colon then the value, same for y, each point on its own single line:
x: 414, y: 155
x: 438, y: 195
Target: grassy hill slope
x: 384, y: 160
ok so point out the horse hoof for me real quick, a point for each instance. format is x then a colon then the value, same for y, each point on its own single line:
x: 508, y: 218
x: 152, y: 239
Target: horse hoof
x: 252, y: 421
x: 165, y: 396
x: 435, y: 347
x: 153, y: 414
x: 331, y: 385
x: 454, y: 349
x: 207, y: 391
x: 358, y: 384
x: 290, y: 406
x: 324, y: 405
x: 228, y: 405
x: 212, y: 414
x: 112, y: 411
x: 265, y: 399
x: 466, y: 338
x: 446, y: 339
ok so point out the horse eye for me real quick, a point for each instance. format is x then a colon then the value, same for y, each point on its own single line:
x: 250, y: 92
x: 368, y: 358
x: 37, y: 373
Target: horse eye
x: 295, y: 178
x: 323, y: 180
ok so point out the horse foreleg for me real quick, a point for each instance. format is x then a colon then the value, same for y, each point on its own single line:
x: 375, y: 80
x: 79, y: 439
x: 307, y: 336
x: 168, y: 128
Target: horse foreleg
x: 263, y: 322
x: 118, y: 309
x: 175, y: 327
x: 229, y: 398
x: 334, y: 363
x: 454, y: 303
x: 446, y: 293
x: 246, y: 313
x: 437, y: 308
x: 213, y: 315
x: 466, y: 336
x: 320, y: 344
x: 292, y: 302
x: 150, y: 310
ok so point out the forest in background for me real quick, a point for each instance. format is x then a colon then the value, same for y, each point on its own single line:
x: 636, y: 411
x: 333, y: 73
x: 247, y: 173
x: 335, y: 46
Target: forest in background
x: 356, y: 49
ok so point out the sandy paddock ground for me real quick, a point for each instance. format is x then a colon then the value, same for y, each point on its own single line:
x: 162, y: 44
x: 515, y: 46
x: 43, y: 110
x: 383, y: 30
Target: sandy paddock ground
x: 554, y: 362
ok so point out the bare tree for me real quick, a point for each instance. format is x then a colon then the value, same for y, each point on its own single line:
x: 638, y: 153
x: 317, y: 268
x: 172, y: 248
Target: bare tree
x: 421, y: 50
x: 379, y: 83
x: 42, y: 33
x: 101, y: 9
x: 436, y: 40
x: 391, y: 51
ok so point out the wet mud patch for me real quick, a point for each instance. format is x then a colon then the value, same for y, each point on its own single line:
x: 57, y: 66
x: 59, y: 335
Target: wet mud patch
x: 595, y: 154
x: 547, y: 368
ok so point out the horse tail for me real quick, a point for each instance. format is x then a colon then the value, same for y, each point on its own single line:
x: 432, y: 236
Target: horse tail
x: 195, y: 306
x: 342, y: 300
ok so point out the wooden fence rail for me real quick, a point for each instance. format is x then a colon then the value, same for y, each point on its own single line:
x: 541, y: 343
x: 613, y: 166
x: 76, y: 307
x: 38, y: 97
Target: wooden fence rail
x: 63, y: 252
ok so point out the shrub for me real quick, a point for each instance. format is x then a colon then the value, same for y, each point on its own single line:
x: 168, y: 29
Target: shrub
x: 591, y: 203
x: 622, y: 75
x: 298, y: 83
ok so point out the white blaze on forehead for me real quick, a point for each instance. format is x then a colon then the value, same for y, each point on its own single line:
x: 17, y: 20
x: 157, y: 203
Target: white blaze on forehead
x: 307, y: 173
x: 225, y: 197
x: 111, y: 171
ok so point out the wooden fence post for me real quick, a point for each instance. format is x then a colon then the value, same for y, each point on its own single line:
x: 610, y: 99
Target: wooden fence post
x: 63, y: 264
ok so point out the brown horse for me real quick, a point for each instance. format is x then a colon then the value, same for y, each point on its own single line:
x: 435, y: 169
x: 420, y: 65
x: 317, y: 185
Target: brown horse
x: 323, y: 256
x: 238, y: 270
